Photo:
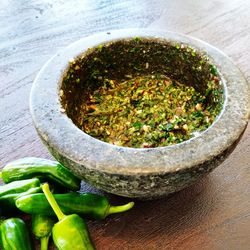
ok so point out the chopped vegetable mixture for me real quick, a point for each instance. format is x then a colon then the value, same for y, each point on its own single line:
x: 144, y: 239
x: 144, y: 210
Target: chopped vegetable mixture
x: 148, y: 111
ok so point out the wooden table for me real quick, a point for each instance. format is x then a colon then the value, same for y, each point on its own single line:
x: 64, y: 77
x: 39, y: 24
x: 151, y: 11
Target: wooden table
x: 212, y: 214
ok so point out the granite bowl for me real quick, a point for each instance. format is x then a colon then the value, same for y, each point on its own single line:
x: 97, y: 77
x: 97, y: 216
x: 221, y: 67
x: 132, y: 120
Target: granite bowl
x: 144, y: 173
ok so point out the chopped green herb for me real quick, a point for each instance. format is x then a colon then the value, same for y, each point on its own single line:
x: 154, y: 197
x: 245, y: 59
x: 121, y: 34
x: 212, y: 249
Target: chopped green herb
x: 213, y: 70
x: 145, y: 112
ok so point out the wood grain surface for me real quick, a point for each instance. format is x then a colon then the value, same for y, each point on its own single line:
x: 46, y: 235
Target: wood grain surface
x: 212, y: 214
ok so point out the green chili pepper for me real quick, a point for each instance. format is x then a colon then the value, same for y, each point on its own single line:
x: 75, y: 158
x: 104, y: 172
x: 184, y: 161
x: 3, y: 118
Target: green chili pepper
x: 11, y: 191
x: 14, y: 235
x: 7, y: 202
x: 43, y: 169
x: 71, y: 231
x: 87, y: 204
x: 16, y: 187
x: 42, y: 227
x: 1, y: 221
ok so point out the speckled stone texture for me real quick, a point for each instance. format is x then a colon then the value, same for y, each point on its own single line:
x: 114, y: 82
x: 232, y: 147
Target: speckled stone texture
x: 144, y: 173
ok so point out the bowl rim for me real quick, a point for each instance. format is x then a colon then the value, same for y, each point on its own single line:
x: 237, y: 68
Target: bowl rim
x: 59, y: 132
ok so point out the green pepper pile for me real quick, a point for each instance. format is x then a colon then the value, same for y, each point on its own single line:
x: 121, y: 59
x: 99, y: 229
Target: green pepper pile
x: 24, y: 192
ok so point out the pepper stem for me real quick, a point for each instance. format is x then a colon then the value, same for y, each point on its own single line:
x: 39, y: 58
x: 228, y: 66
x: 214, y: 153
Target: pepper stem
x: 44, y: 243
x: 120, y: 209
x: 60, y: 215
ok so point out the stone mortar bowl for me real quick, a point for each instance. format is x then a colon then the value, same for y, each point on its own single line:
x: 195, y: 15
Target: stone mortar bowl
x: 144, y: 173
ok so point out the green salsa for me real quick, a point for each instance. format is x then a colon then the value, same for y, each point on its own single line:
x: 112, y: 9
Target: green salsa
x: 145, y: 112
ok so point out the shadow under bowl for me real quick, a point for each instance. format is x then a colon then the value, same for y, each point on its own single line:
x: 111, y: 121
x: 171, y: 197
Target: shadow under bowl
x: 65, y: 81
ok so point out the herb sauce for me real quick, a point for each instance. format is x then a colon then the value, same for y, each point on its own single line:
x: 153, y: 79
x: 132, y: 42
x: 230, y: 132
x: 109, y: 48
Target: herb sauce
x: 145, y: 112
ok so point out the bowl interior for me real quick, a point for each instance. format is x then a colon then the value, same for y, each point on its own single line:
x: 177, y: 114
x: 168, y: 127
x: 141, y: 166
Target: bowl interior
x: 127, y: 59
